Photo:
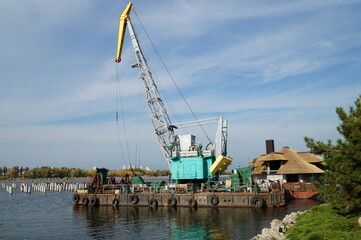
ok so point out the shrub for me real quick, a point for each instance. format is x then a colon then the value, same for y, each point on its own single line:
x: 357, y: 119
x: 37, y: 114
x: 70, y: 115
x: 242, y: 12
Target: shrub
x: 323, y: 223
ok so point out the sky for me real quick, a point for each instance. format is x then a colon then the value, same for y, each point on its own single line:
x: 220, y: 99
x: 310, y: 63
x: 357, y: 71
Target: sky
x: 275, y: 69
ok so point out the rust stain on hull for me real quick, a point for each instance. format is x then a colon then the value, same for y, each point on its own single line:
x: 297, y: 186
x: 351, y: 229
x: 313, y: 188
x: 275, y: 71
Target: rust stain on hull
x: 300, y: 190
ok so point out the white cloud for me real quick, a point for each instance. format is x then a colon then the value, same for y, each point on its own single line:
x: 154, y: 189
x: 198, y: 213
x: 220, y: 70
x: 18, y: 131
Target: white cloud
x: 191, y: 19
x: 289, y: 63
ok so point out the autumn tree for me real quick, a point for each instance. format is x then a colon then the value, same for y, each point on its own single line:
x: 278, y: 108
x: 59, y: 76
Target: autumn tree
x: 341, y: 183
x: 28, y: 173
x: 76, y: 173
x: 14, y: 172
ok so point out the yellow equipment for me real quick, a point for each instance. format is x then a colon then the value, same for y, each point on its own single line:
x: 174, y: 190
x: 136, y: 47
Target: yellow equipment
x: 220, y: 164
x: 121, y: 32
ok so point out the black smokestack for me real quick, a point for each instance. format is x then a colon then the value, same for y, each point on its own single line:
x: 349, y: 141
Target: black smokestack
x: 270, y: 146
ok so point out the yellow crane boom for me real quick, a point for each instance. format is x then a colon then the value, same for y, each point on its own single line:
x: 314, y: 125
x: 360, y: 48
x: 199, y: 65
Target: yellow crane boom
x: 121, y: 31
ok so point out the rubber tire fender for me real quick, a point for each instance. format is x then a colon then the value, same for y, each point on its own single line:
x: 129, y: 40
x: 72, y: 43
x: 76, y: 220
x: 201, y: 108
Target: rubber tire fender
x: 257, y: 202
x: 115, y: 202
x: 153, y: 203
x: 172, y: 202
x: 85, y: 201
x: 192, y: 202
x: 214, y: 201
x: 94, y: 201
x: 134, y: 199
x: 76, y: 198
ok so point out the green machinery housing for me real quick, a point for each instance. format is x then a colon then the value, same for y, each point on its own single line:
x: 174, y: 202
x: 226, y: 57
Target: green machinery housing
x: 192, y: 168
x: 240, y: 178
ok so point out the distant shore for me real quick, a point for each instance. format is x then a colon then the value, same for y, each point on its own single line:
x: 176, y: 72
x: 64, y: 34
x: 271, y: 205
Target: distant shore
x: 66, y: 179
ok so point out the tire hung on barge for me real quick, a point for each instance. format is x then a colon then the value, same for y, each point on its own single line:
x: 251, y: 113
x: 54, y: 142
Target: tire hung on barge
x: 85, y: 201
x: 214, y: 201
x: 192, y: 202
x: 134, y: 199
x: 94, y: 201
x: 76, y: 198
x: 153, y: 203
x: 172, y: 202
x: 257, y: 202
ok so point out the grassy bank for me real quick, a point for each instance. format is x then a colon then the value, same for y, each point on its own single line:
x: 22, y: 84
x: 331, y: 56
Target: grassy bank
x: 323, y: 223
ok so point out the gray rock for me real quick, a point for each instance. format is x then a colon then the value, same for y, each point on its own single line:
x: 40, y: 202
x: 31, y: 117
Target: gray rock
x: 290, y: 219
x: 276, y: 235
x: 278, y: 227
x: 266, y: 234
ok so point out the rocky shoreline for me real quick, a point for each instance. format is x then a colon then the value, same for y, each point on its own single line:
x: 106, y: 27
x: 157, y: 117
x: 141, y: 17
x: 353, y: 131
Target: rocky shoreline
x: 278, y: 228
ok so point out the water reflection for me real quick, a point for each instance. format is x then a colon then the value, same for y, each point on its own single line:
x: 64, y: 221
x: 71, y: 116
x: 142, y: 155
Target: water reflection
x: 180, y: 223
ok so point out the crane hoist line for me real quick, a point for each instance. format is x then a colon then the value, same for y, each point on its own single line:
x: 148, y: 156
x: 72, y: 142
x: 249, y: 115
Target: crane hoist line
x: 189, y: 161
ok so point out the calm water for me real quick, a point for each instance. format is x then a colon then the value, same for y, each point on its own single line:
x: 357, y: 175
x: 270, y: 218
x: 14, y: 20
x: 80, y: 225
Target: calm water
x: 52, y: 215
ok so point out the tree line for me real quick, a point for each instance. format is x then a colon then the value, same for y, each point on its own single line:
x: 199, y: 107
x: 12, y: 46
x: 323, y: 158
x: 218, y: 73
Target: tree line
x: 43, y: 172
x: 139, y: 171
x: 64, y: 172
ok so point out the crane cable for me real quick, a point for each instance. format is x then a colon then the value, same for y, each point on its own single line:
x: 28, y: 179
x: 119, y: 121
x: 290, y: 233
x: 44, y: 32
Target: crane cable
x: 170, y: 75
x: 119, y: 99
x: 164, y: 93
x: 138, y: 131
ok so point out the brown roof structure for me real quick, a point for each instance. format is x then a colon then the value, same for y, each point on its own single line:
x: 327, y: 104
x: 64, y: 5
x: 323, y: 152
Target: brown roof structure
x: 292, y: 162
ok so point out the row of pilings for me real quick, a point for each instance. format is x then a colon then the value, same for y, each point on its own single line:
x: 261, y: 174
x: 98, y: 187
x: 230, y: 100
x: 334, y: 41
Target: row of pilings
x: 42, y: 187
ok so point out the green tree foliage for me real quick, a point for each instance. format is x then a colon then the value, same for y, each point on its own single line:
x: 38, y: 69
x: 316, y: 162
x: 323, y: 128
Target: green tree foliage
x: 139, y: 171
x: 341, y: 183
x: 28, y: 173
x: 14, y: 172
x: 52, y: 172
x: 77, y: 173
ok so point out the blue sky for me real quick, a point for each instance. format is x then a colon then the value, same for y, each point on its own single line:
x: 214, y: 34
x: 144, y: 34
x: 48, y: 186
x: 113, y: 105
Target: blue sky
x: 276, y: 70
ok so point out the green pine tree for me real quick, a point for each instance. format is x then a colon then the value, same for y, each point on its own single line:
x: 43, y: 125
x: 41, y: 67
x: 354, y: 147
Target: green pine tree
x: 341, y: 183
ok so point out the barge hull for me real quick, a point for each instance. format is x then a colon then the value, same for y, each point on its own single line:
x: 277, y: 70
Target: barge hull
x: 210, y: 199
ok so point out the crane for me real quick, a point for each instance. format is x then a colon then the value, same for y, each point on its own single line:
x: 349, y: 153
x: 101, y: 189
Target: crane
x: 189, y: 162
x: 158, y: 113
